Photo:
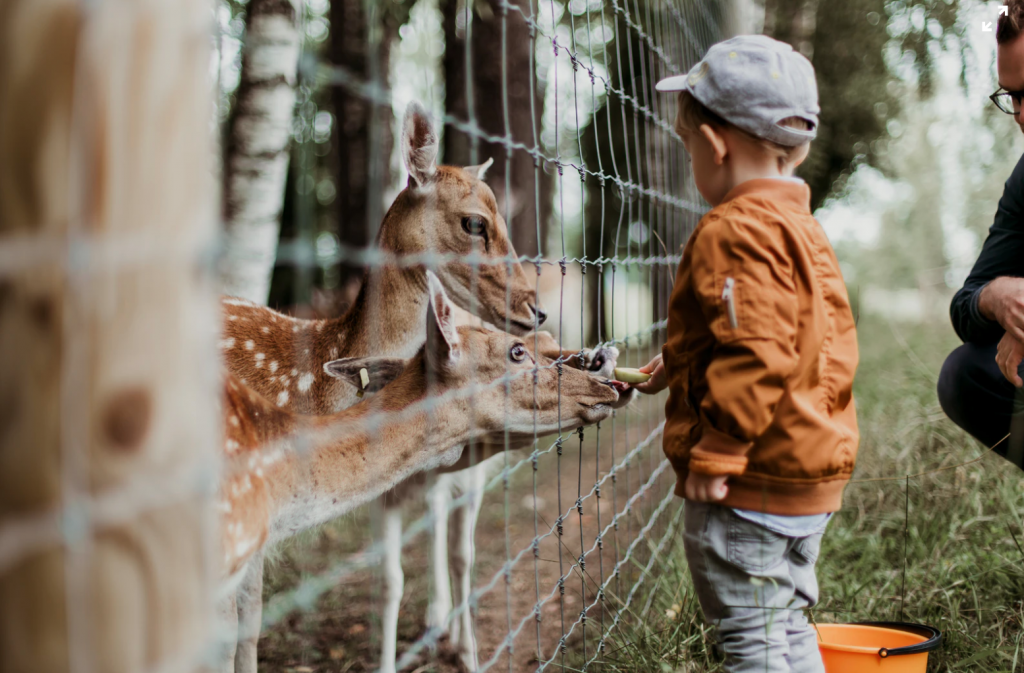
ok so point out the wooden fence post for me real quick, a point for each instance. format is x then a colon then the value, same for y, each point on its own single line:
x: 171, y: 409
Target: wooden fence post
x: 108, y: 370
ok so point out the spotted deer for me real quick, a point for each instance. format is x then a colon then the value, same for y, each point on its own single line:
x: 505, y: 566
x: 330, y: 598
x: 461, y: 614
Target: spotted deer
x: 452, y: 566
x: 444, y: 211
x: 447, y: 211
x: 286, y: 472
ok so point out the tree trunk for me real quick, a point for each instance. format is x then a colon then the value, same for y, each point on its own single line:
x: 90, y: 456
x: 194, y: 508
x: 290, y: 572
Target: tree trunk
x: 108, y: 426
x: 256, y: 152
x: 363, y: 133
x: 490, y: 69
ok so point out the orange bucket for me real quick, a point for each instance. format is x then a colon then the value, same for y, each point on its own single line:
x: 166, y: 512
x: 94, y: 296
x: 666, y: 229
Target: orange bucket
x: 890, y: 647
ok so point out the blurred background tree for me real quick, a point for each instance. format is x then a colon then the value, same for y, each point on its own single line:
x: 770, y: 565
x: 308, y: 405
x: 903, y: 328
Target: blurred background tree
x: 878, y: 62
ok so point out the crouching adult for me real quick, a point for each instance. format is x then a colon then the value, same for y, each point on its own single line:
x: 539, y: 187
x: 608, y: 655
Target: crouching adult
x: 980, y: 384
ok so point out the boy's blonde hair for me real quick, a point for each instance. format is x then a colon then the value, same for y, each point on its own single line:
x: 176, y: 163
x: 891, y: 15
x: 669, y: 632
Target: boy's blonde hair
x: 692, y: 114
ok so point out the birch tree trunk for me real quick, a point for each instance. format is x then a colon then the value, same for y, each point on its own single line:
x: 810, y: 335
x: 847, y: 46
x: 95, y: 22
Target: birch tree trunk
x: 108, y: 372
x: 256, y: 152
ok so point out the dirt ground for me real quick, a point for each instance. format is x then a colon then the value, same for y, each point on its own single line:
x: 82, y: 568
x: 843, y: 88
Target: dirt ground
x: 342, y: 632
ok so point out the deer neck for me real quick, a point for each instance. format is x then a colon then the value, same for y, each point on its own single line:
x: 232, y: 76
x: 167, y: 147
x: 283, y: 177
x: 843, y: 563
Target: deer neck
x: 357, y: 455
x: 386, y: 318
x: 282, y: 358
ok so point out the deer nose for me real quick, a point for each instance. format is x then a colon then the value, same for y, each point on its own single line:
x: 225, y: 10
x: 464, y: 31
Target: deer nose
x: 539, y: 313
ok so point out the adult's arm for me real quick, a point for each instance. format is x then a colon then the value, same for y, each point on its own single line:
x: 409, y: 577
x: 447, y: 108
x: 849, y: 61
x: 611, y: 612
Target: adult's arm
x: 1001, y: 255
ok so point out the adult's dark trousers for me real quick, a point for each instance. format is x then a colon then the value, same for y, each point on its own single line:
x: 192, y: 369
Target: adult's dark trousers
x: 977, y: 397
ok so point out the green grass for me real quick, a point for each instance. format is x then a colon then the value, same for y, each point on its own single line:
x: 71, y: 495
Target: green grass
x: 957, y: 531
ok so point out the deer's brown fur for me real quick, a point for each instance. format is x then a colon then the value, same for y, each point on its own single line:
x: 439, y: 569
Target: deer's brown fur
x: 286, y: 472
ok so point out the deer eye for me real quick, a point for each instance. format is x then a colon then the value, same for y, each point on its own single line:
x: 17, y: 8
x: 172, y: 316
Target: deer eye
x: 517, y: 353
x: 474, y: 226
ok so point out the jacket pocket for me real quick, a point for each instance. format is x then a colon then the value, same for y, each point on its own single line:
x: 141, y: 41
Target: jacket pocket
x: 753, y: 548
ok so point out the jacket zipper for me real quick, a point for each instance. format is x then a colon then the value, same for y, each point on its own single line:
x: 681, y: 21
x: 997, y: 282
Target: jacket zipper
x: 728, y: 293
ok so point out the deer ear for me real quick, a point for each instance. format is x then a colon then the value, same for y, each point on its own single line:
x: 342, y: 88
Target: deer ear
x: 442, y: 348
x: 419, y: 145
x: 379, y: 371
x: 480, y: 170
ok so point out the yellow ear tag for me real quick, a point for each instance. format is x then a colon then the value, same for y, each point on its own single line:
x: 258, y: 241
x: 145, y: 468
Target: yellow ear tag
x: 364, y: 378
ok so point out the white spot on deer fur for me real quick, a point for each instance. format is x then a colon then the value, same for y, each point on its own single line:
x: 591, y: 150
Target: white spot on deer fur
x: 226, y: 343
x: 233, y: 420
x: 305, y: 352
x: 237, y: 302
x: 232, y: 317
x: 273, y: 365
x: 265, y: 329
x: 249, y: 345
x: 295, y: 328
x: 259, y: 359
x: 230, y: 445
x: 305, y: 381
x: 319, y: 327
x: 273, y: 318
x: 259, y: 472
x: 282, y: 399
x: 244, y: 546
x: 334, y: 353
x: 295, y: 372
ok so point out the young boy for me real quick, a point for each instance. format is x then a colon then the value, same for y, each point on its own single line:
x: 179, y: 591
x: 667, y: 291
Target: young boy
x: 760, y: 357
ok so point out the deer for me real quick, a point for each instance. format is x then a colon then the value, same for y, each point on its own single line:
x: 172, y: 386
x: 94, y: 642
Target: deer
x: 447, y: 211
x: 452, y: 583
x: 286, y: 472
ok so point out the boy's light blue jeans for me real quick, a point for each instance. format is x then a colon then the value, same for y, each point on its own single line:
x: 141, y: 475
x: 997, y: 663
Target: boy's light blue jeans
x: 753, y: 585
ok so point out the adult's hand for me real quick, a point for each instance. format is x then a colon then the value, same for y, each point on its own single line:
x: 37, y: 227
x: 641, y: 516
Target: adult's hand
x: 1002, y: 300
x: 1009, y: 354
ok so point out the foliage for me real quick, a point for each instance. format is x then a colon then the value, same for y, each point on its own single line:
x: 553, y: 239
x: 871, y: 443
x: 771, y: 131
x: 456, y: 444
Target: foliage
x: 964, y: 563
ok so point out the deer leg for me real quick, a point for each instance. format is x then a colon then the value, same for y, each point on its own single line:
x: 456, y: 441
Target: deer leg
x: 394, y: 582
x: 250, y: 615
x: 462, y: 558
x: 227, y: 627
x: 440, y: 607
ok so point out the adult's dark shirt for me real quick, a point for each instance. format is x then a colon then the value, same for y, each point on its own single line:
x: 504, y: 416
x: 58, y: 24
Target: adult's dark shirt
x: 1002, y: 255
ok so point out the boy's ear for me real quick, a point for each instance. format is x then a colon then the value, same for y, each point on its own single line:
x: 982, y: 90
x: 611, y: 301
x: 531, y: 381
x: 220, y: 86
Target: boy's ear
x: 798, y: 158
x: 717, y: 141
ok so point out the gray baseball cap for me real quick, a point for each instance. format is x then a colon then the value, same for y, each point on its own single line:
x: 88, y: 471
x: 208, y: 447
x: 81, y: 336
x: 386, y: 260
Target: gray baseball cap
x: 754, y: 82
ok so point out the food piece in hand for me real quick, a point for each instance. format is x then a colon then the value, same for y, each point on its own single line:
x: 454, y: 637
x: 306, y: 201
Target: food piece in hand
x: 629, y: 375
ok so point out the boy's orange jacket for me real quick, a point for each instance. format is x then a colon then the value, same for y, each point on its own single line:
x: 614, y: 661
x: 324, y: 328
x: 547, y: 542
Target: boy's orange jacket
x: 761, y: 354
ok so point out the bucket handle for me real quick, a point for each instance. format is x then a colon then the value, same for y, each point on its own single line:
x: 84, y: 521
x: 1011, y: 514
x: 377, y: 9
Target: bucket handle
x: 933, y: 638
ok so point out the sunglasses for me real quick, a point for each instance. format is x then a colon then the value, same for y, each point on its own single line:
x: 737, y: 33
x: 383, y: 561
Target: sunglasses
x: 1007, y: 101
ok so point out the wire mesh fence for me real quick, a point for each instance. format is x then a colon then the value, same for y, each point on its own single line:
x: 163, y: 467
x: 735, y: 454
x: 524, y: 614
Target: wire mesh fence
x: 584, y: 513
x: 540, y: 557
x: 595, y: 192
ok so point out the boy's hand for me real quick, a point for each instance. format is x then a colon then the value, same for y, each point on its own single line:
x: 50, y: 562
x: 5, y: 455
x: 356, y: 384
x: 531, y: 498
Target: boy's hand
x: 658, y: 380
x: 705, y: 488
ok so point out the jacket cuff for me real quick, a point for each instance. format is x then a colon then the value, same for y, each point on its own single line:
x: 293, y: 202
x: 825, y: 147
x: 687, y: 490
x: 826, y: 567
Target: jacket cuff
x: 974, y: 310
x: 718, y: 454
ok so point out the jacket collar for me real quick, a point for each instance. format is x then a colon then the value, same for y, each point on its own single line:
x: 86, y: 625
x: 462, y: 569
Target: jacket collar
x: 796, y: 195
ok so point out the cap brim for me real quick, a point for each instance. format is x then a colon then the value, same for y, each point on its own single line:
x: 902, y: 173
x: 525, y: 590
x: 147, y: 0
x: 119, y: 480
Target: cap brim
x: 674, y: 83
